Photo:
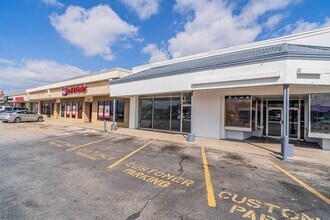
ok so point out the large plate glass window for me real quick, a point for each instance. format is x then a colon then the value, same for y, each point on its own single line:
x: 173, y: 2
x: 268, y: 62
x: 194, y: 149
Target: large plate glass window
x: 80, y: 109
x: 105, y: 110
x: 146, y: 108
x: 100, y: 111
x: 176, y: 113
x: 62, y: 109
x: 320, y: 113
x: 238, y: 111
x: 68, y: 109
x: 46, y: 109
x: 74, y: 109
x: 162, y: 113
x: 168, y: 112
x: 120, y: 111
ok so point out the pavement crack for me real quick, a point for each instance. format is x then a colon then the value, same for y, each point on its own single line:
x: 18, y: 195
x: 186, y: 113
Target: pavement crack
x: 136, y: 215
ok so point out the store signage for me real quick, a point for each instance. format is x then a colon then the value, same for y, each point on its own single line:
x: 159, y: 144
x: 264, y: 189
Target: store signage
x: 74, y: 90
x: 322, y: 108
x: 19, y: 99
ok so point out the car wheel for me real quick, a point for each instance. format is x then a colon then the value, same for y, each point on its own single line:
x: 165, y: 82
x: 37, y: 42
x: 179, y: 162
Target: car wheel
x: 17, y: 120
x: 39, y: 119
x: 5, y: 121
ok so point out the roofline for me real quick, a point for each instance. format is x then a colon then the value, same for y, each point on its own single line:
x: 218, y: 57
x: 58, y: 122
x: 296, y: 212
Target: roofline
x: 283, y: 55
x: 16, y: 93
x: 58, y: 84
x: 252, y: 45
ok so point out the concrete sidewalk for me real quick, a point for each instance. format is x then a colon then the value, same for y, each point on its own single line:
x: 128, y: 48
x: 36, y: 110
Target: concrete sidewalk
x: 307, y: 152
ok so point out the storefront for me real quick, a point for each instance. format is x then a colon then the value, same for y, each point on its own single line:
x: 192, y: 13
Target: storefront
x: 19, y: 99
x: 85, y: 99
x: 278, y: 88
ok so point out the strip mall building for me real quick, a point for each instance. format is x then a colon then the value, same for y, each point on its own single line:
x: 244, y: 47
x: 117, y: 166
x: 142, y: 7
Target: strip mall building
x: 18, y: 99
x: 277, y: 88
x: 85, y: 99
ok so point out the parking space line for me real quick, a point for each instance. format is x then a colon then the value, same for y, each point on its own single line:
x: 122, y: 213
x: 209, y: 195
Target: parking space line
x: 208, y: 182
x: 310, y: 189
x: 130, y: 154
x: 49, y: 139
x: 84, y: 145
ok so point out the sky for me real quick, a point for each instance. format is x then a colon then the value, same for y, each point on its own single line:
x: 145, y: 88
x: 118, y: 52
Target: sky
x: 44, y: 41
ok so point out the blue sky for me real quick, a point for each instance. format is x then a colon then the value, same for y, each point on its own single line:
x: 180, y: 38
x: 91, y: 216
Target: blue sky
x: 44, y: 41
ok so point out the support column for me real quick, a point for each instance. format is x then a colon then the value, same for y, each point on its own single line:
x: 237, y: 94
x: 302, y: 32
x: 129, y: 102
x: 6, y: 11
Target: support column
x: 285, y: 136
x: 113, y: 126
x: 191, y: 135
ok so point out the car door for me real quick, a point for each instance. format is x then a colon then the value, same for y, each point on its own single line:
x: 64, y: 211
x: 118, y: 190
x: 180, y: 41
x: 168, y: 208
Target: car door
x: 32, y: 116
x: 24, y: 116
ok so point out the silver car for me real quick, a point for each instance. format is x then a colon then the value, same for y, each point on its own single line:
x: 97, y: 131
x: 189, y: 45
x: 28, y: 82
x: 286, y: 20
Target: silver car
x: 20, y: 116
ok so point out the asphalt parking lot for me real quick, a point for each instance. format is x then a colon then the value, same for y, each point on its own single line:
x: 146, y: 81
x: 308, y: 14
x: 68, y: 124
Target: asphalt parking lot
x: 59, y: 172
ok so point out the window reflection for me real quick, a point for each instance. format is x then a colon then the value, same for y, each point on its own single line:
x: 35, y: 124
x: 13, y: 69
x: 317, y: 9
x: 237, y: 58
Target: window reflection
x: 320, y: 113
x: 170, y: 112
x: 238, y: 111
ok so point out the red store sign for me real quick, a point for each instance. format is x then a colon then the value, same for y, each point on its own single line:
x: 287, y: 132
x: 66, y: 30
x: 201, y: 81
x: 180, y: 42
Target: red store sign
x: 74, y: 90
x: 19, y: 99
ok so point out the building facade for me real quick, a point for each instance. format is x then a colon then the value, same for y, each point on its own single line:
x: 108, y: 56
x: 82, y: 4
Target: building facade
x: 278, y: 88
x: 84, y: 99
x: 18, y: 99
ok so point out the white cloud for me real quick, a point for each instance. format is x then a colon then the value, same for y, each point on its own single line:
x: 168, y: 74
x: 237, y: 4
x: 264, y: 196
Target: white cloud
x: 30, y: 73
x: 7, y: 62
x: 214, y: 24
x: 302, y: 26
x: 274, y: 20
x: 94, y: 30
x: 143, y: 8
x: 156, y: 54
x: 55, y: 3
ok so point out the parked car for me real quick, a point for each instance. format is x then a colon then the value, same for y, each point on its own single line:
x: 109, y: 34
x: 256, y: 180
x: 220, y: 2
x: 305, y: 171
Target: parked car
x: 20, y: 116
x: 5, y: 108
x: 20, y: 108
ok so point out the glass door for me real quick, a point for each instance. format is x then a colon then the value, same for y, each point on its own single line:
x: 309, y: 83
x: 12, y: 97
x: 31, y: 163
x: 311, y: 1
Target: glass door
x: 274, y: 122
x: 293, y: 123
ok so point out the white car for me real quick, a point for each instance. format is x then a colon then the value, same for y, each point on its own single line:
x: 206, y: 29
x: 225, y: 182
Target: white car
x: 5, y: 108
x: 20, y: 116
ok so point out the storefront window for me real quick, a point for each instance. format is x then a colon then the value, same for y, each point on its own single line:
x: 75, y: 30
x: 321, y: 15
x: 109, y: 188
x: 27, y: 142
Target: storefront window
x: 46, y: 109
x: 100, y: 114
x: 120, y: 110
x: 62, y: 109
x: 146, y: 112
x: 68, y: 109
x: 80, y: 109
x: 105, y: 110
x: 35, y: 106
x: 320, y: 113
x: 169, y: 112
x: 74, y: 109
x: 176, y: 113
x: 162, y: 113
x: 238, y: 111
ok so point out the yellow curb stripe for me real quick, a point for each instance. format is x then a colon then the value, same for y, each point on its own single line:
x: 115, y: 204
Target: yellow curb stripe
x: 84, y: 145
x: 130, y: 154
x: 300, y: 182
x: 208, y: 182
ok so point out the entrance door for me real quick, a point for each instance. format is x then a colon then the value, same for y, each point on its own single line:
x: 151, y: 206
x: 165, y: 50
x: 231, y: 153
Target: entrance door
x: 274, y: 122
x: 294, y: 126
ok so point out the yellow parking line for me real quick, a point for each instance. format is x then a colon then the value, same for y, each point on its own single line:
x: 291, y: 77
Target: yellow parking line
x: 48, y: 139
x: 84, y: 145
x: 130, y: 154
x: 208, y: 182
x: 300, y: 182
